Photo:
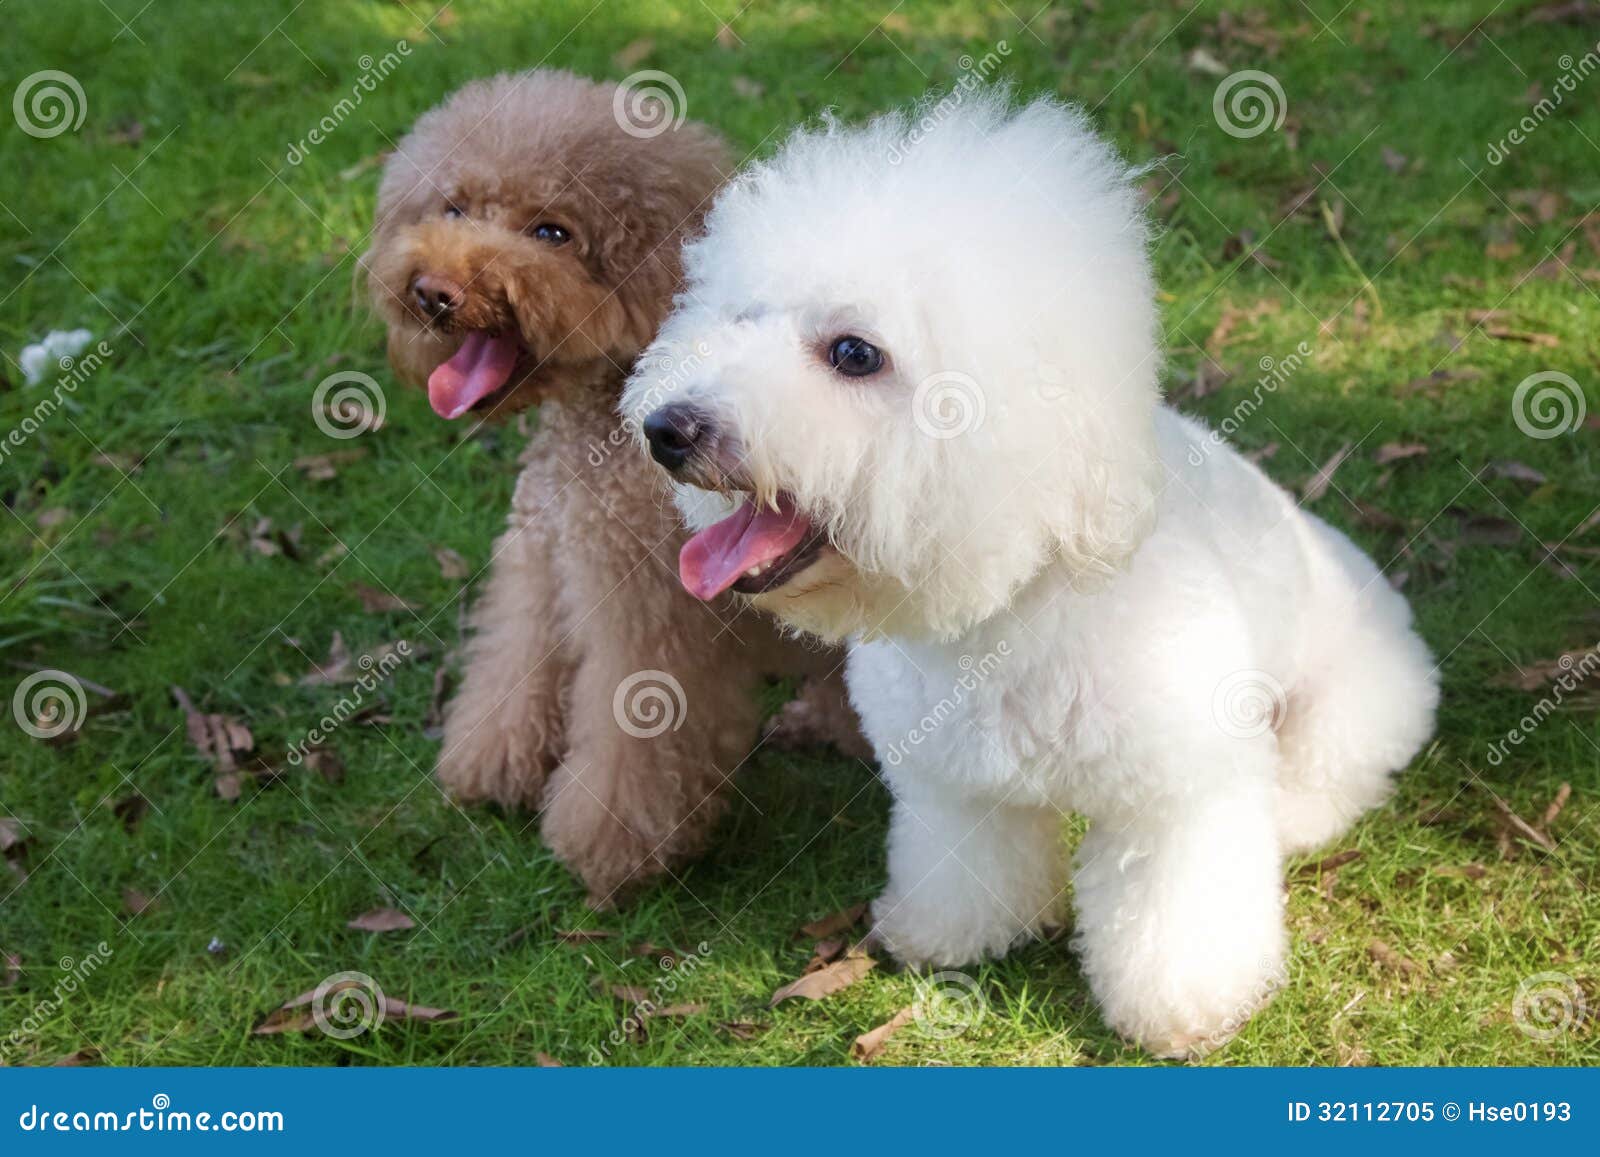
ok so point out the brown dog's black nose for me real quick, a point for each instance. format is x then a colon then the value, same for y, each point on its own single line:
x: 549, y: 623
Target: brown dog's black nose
x: 673, y: 433
x: 437, y: 297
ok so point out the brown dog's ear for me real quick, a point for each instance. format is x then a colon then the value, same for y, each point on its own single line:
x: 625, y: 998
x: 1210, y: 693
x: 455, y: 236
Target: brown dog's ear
x: 658, y: 199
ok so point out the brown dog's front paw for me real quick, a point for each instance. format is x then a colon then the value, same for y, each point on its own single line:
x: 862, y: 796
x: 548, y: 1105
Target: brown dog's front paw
x: 482, y: 761
x: 596, y: 843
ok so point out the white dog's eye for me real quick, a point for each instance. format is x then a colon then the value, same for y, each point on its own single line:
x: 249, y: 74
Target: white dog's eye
x: 855, y: 357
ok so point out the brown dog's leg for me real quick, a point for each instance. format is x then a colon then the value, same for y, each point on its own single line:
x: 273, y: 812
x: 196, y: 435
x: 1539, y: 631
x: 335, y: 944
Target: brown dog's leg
x: 503, y: 730
x: 821, y: 715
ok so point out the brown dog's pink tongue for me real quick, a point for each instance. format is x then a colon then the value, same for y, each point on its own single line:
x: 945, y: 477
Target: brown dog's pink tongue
x: 479, y: 368
x: 713, y: 560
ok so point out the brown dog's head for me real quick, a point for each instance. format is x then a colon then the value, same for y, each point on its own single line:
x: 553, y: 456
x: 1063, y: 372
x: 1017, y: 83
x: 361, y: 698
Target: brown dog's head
x: 529, y: 227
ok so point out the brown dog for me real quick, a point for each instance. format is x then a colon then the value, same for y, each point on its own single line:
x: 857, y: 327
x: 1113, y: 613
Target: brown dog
x: 525, y: 251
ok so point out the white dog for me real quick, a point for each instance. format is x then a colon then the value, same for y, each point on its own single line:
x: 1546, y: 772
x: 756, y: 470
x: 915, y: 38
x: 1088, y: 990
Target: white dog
x: 911, y: 399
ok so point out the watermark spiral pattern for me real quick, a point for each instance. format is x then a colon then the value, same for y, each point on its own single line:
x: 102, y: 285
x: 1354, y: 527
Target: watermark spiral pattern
x: 49, y: 103
x: 649, y: 703
x: 347, y: 404
x: 1249, y: 103
x: 49, y: 703
x: 347, y: 1004
x: 649, y: 103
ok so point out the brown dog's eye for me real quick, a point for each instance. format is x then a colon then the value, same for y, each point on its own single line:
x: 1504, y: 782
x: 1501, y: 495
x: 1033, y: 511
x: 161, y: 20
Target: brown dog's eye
x: 453, y: 212
x: 550, y: 234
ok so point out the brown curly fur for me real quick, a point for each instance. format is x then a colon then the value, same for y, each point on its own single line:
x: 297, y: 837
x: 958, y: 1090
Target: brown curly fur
x: 582, y: 591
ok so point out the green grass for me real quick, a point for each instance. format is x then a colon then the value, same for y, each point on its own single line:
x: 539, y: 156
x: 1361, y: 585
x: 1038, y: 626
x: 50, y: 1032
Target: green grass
x: 222, y: 279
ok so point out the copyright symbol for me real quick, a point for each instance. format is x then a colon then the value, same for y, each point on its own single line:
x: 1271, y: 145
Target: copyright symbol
x: 1452, y: 1111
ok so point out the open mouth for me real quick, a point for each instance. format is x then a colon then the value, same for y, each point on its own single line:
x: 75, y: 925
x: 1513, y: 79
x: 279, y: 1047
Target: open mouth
x: 752, y: 550
x: 475, y: 374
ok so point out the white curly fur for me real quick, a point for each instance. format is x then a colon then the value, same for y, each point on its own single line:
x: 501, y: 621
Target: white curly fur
x: 1081, y: 602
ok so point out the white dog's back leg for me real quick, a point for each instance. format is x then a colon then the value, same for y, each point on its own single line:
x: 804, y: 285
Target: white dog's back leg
x: 967, y: 877
x: 1180, y: 914
x: 1363, y: 707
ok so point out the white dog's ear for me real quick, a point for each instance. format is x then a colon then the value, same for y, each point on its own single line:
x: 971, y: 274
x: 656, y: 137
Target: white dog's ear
x: 1105, y: 470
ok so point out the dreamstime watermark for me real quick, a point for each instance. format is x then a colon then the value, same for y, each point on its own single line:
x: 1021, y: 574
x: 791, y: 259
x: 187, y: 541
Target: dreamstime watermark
x: 1573, y: 673
x: 347, y: 1004
x: 373, y: 672
x: 1547, y: 405
x: 373, y: 73
x: 49, y: 703
x: 74, y: 973
x: 948, y: 404
x: 1277, y: 976
x: 669, y: 374
x: 1548, y: 1004
x: 49, y: 103
x: 948, y: 1005
x: 357, y: 404
x: 1274, y: 373
x: 973, y: 75
x: 160, y: 1117
x: 674, y: 969
x: 649, y: 703
x: 649, y: 103
x: 974, y: 672
x: 74, y: 372
x: 1249, y: 703
x: 1248, y: 103
x: 1573, y: 73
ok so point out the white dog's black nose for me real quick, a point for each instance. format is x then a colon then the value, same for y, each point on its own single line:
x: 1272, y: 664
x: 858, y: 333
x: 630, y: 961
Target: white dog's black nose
x: 674, y: 432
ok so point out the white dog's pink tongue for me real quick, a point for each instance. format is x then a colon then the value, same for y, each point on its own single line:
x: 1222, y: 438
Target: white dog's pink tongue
x: 713, y: 560
x: 479, y: 368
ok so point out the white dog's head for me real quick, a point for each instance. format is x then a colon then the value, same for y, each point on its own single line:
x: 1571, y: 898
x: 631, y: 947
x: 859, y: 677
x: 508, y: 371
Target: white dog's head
x: 914, y: 363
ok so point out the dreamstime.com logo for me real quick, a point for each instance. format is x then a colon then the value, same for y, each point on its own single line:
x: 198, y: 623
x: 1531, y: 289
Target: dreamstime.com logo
x: 649, y: 703
x: 649, y: 103
x: 1248, y: 704
x: 1249, y: 103
x: 1548, y: 1004
x: 356, y: 404
x: 160, y: 1117
x: 49, y: 103
x: 49, y: 703
x: 1548, y: 405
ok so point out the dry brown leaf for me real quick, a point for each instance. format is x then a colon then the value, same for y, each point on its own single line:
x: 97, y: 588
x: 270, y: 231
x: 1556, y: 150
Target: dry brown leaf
x: 1389, y: 958
x: 1317, y: 485
x: 229, y: 786
x: 546, y: 1061
x: 1515, y: 825
x: 334, y: 669
x: 326, y: 763
x: 826, y: 981
x: 220, y: 738
x: 1398, y: 452
x: 136, y: 903
x: 324, y: 467
x: 382, y: 920
x: 289, y: 1017
x: 86, y: 1056
x: 1328, y: 864
x: 869, y: 1044
x: 1517, y: 472
x: 835, y: 922
x: 744, y: 1030
x: 629, y: 993
x: 678, y: 1011
x: 12, y: 833
x: 451, y: 565
x: 1563, y: 794
x: 12, y: 971
x: 633, y: 54
x: 1526, y: 336
x: 378, y: 602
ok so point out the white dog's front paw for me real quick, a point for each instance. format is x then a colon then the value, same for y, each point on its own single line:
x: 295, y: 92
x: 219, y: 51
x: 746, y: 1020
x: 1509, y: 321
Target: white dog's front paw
x: 1191, y: 1028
